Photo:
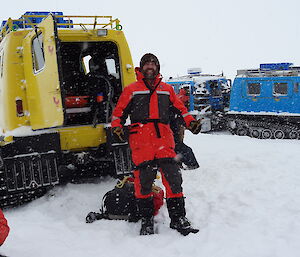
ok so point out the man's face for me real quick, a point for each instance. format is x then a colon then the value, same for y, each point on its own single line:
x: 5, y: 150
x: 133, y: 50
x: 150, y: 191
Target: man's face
x: 149, y: 70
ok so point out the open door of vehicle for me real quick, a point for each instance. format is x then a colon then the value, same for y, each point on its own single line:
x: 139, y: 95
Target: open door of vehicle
x: 42, y: 76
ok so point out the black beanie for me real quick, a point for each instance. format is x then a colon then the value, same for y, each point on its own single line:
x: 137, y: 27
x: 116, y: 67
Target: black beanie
x: 150, y: 58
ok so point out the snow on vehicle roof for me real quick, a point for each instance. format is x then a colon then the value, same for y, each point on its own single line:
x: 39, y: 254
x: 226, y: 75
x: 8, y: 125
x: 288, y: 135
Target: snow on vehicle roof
x: 196, y: 78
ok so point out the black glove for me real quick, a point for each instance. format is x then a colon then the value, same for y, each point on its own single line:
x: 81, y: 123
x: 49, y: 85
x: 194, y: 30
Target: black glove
x: 92, y: 216
x: 119, y: 133
x: 195, y: 126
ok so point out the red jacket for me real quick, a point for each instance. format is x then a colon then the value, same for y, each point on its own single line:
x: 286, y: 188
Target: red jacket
x: 4, y: 228
x: 143, y: 104
x: 182, y: 96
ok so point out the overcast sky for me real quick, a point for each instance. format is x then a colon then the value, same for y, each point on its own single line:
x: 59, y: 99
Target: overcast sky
x: 215, y: 35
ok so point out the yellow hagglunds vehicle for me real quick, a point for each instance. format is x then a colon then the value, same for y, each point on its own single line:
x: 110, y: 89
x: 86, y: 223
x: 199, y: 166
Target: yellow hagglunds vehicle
x: 60, y: 77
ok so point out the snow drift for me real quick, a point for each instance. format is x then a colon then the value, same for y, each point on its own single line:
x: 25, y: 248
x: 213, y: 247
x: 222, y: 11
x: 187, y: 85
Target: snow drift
x: 245, y: 198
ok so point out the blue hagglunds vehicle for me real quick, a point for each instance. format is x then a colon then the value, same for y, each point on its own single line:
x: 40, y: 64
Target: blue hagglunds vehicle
x: 265, y: 102
x: 206, y: 96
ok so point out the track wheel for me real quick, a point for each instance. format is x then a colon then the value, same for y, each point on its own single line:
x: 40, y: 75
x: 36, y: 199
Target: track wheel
x: 231, y: 124
x: 293, y: 134
x: 279, y: 134
x: 241, y: 132
x: 255, y: 133
x: 266, y: 134
x: 231, y: 131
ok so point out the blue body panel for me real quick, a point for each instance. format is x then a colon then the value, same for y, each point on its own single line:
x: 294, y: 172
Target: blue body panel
x: 275, y: 66
x: 267, y: 100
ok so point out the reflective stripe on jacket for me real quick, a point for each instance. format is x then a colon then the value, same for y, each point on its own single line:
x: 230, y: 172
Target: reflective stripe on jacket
x: 142, y: 104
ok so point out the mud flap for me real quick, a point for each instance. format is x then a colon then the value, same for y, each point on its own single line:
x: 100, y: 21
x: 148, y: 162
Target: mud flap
x: 121, y: 153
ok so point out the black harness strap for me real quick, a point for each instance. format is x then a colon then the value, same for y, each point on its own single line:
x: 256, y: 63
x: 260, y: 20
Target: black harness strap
x: 157, y: 129
x: 152, y: 89
x: 155, y: 121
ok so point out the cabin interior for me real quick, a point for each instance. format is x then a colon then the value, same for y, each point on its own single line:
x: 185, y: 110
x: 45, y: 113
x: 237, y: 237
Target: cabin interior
x: 91, y: 81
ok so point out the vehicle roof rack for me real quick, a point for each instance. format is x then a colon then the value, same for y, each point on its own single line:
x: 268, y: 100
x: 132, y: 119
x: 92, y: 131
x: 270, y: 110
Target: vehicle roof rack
x: 32, y: 19
x: 293, y: 71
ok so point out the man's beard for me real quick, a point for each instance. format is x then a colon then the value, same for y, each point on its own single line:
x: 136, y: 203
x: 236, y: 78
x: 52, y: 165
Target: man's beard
x: 149, y: 75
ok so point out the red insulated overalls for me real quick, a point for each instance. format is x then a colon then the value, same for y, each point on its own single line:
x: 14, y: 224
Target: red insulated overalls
x: 4, y: 228
x: 150, y: 137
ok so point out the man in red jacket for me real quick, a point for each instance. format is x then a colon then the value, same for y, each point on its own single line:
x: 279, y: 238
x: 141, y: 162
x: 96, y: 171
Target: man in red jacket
x: 148, y: 102
x: 4, y: 228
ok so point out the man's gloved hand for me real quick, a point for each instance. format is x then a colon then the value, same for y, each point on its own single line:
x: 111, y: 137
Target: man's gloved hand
x: 119, y: 133
x: 195, y: 126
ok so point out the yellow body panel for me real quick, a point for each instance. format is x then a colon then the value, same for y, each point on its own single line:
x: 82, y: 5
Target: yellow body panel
x: 43, y: 87
x: 12, y: 81
x: 73, y: 138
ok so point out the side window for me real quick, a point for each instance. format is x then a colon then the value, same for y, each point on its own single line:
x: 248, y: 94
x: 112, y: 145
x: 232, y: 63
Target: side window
x: 296, y: 87
x: 214, y: 88
x: 253, y: 89
x: 280, y: 89
x: 111, y: 68
x: 86, y: 63
x: 38, y: 53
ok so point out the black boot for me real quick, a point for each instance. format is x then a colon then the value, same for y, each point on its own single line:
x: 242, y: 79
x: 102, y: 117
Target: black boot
x: 146, y: 210
x: 147, y: 226
x: 179, y: 222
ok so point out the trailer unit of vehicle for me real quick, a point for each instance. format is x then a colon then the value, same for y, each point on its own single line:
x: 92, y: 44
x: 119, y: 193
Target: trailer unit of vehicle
x: 60, y: 77
x: 265, y: 102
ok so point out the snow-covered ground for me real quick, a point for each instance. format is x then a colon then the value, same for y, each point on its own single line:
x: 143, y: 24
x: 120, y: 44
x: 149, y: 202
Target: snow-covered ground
x: 245, y: 198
